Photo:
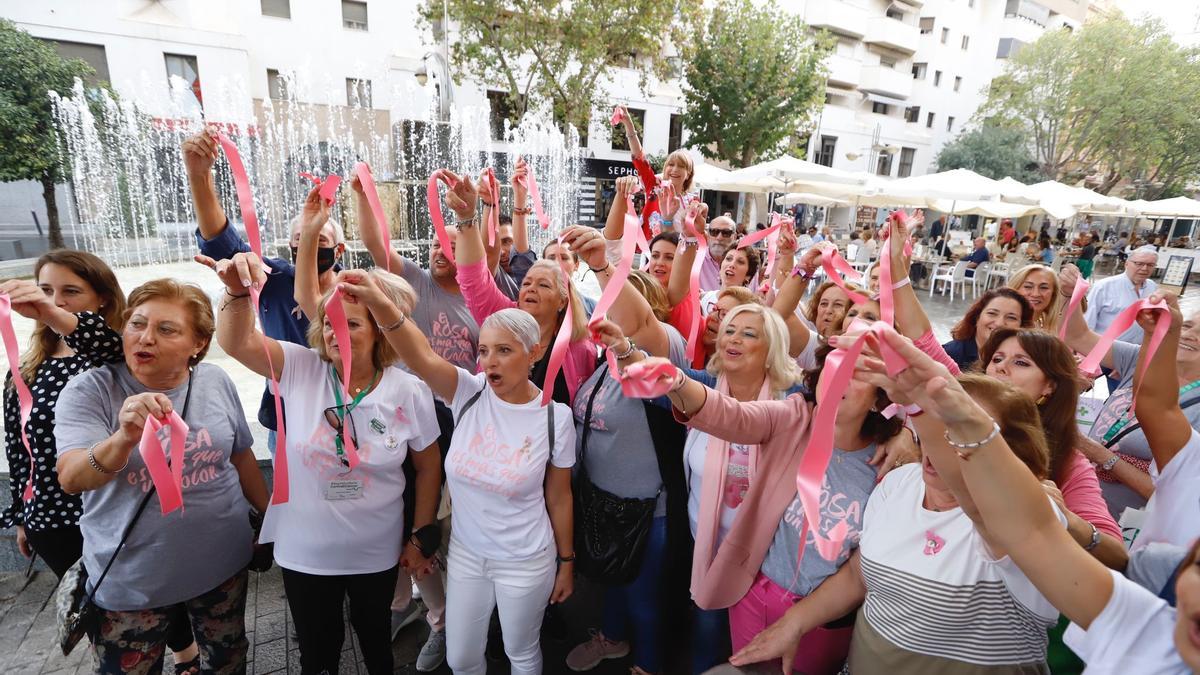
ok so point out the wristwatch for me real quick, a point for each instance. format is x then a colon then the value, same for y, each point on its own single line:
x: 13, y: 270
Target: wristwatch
x: 1110, y: 463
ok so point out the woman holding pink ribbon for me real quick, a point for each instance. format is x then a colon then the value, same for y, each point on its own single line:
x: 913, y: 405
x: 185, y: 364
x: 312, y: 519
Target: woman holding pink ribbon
x: 545, y: 294
x: 352, y: 419
x: 79, y: 309
x: 665, y: 194
x: 157, y: 554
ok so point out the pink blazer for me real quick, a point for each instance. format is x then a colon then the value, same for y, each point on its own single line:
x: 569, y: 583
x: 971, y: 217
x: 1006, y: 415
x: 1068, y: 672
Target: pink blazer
x: 780, y: 429
x: 484, y: 299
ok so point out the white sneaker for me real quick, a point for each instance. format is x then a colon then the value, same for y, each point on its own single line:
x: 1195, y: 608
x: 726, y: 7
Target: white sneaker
x: 433, y: 654
x: 404, y: 616
x: 589, y: 654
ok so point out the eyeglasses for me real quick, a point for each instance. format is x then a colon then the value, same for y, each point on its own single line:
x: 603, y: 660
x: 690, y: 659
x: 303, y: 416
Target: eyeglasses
x: 338, y: 423
x: 1142, y: 265
x: 717, y: 232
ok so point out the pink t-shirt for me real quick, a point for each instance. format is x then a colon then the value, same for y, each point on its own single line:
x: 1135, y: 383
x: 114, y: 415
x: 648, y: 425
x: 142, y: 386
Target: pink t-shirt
x: 1081, y: 493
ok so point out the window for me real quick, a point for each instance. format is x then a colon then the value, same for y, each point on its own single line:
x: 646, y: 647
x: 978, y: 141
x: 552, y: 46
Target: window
x: 887, y: 62
x: 957, y: 82
x: 279, y: 8
x: 883, y: 165
x: 949, y: 124
x: 912, y: 114
x: 185, y: 68
x: 93, y: 55
x: 828, y: 147
x: 918, y: 70
x: 906, y: 162
x: 619, y: 141
x: 929, y: 121
x: 879, y: 108
x: 937, y: 78
x: 926, y: 25
x: 893, y: 13
x: 277, y: 86
x: 966, y: 41
x: 1008, y: 47
x: 358, y: 93
x: 675, y: 134
x: 354, y: 15
x: 945, y: 35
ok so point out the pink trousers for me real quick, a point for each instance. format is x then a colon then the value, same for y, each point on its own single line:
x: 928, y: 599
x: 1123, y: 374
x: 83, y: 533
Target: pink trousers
x: 822, y: 651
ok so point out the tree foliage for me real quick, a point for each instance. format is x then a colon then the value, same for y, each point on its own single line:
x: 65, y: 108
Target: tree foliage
x: 994, y: 152
x: 754, y: 77
x: 1115, y: 99
x: 561, y: 51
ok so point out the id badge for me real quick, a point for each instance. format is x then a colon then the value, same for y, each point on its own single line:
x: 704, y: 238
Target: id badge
x: 340, y: 489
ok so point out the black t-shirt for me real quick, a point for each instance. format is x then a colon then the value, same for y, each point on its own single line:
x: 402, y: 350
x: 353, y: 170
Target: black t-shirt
x: 1088, y: 252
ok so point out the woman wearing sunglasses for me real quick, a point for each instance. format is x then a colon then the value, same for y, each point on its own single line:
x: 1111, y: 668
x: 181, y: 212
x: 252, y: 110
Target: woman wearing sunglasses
x: 339, y: 534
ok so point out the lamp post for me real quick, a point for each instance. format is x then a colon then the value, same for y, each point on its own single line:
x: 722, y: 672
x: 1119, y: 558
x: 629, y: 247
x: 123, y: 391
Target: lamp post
x: 440, y: 68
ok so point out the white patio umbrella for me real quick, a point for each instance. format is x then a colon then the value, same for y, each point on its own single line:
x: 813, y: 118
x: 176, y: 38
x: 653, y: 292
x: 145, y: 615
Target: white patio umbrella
x: 1054, y: 205
x: 1084, y: 200
x: 990, y: 209
x: 953, y: 185
x: 808, y: 198
x: 1175, y: 207
x: 710, y: 177
x: 787, y: 172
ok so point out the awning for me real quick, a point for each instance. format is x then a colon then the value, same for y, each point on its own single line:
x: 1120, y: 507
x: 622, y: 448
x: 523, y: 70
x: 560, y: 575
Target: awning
x: 880, y: 98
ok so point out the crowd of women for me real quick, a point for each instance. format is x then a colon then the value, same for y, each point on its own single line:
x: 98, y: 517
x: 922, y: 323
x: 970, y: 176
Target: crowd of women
x: 963, y: 522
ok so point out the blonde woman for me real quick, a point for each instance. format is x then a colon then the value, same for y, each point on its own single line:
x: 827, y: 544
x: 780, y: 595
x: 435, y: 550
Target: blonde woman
x: 1039, y: 285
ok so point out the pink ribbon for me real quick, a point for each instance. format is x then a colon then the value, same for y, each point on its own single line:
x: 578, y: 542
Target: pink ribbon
x: 167, y: 478
x: 493, y: 223
x: 328, y: 185
x: 535, y: 195
x: 771, y: 234
x: 887, y: 291
x: 24, y: 397
x: 839, y: 364
x: 835, y: 265
x: 689, y: 229
x: 643, y: 379
x: 1077, y: 295
x: 617, y: 281
x: 1091, y: 363
x: 435, y: 209
x: 341, y: 332
x: 280, y: 490
x: 363, y: 171
x: 617, y: 116
x: 562, y: 341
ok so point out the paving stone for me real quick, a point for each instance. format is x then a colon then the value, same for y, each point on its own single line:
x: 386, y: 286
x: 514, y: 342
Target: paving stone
x: 271, y: 626
x: 270, y: 656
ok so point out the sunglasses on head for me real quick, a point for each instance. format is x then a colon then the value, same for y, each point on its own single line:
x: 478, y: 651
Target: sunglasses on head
x: 718, y: 232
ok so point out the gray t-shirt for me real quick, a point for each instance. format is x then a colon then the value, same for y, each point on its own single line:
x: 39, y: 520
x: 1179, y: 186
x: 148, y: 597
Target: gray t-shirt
x: 620, y: 454
x: 1118, y: 496
x: 174, y: 557
x: 848, y: 483
x: 443, y: 317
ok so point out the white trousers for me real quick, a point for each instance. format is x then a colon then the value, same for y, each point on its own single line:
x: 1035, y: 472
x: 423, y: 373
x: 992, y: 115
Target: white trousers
x: 519, y: 589
x: 433, y: 593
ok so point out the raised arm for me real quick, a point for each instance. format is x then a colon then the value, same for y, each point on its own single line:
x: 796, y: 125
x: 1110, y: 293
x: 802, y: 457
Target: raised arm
x: 307, y: 290
x: 680, y: 283
x: 237, y: 334
x: 1157, y: 405
x: 408, y: 341
x: 368, y: 231
x: 635, y: 145
x: 1078, y: 337
x: 614, y: 225
x: 199, y: 154
x: 462, y: 198
x: 791, y: 290
x: 31, y: 302
x: 490, y: 203
x: 911, y: 319
x: 519, y: 215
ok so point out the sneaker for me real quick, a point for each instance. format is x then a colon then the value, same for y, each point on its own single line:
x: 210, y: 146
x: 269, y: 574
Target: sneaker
x: 404, y: 616
x: 433, y: 654
x: 589, y: 654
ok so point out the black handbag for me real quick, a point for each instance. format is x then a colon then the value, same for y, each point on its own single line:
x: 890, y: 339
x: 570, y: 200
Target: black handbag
x: 610, y: 531
x: 75, y: 608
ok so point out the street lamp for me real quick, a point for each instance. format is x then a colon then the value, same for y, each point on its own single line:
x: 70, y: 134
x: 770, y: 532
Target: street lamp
x: 435, y: 64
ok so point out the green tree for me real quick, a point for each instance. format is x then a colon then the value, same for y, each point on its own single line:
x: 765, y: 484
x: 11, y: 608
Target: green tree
x: 994, y: 152
x: 1114, y: 100
x: 29, y: 69
x: 561, y: 51
x: 754, y: 78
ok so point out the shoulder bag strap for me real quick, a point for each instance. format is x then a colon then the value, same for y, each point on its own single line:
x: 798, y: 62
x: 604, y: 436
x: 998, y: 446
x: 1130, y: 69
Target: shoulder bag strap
x: 187, y: 399
x: 1135, y: 426
x: 470, y: 402
x: 587, y: 418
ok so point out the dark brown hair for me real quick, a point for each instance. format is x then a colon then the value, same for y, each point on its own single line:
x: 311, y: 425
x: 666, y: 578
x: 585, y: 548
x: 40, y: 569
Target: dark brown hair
x: 100, y: 277
x: 965, y: 328
x: 752, y: 261
x: 875, y: 428
x: 1017, y: 415
x: 1057, y: 363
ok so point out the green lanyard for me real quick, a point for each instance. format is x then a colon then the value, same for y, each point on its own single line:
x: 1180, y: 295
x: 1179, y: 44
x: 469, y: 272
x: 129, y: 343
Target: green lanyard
x: 337, y: 396
x: 1124, y: 421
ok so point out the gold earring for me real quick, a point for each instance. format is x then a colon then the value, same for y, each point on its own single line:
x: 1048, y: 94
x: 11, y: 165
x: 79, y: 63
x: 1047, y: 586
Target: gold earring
x: 1041, y: 399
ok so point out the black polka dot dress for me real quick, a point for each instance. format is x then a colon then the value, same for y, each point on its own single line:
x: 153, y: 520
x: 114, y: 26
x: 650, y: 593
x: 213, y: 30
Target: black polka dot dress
x: 95, y: 344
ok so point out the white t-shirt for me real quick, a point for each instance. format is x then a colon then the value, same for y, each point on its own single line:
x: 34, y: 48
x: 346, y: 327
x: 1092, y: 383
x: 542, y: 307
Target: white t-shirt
x: 708, y: 300
x: 933, y: 587
x: 1173, y: 512
x: 496, y: 468
x: 361, y: 535
x: 737, y: 480
x: 1134, y: 634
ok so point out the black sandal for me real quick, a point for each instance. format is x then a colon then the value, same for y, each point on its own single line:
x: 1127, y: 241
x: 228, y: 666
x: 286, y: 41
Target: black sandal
x: 191, y: 667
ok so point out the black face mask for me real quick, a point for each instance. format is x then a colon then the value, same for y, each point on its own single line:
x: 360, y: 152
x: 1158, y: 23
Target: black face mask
x: 326, y: 257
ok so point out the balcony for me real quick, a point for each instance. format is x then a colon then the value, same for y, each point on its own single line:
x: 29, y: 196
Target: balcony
x: 837, y: 17
x: 843, y: 71
x: 886, y: 81
x: 892, y: 34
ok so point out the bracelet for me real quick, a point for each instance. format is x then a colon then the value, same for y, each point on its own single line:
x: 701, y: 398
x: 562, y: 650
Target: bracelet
x: 690, y: 242
x: 465, y: 221
x: 1095, y: 538
x: 490, y: 205
x: 628, y: 352
x: 230, y: 299
x: 563, y: 559
x: 971, y: 447
x: 680, y: 380
x: 393, y: 326
x: 1110, y: 463
x: 427, y: 538
x: 522, y: 211
x: 607, y: 266
x: 804, y: 274
x: 902, y: 283
x: 91, y: 455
